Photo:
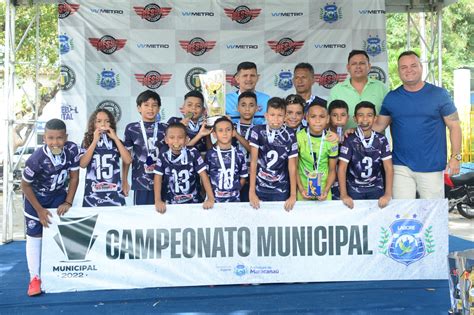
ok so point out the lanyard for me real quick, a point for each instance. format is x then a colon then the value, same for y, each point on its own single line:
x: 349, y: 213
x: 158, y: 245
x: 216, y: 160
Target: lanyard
x: 56, y: 159
x: 182, y: 157
x: 316, y: 167
x: 105, y: 140
x: 232, y: 162
x: 247, y: 133
x: 365, y: 143
x: 145, y: 137
x: 271, y: 134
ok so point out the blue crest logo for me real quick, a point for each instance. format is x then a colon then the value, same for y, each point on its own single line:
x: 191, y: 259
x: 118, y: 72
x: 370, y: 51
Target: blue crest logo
x: 330, y: 13
x: 240, y: 270
x: 107, y: 79
x: 405, y: 241
x: 65, y: 44
x: 67, y: 111
x: 374, y: 45
x: 284, y: 80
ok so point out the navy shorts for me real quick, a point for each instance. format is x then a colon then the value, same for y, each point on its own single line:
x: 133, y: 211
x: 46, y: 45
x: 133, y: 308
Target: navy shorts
x: 244, y: 193
x: 373, y: 194
x: 143, y: 197
x: 32, y: 223
x: 273, y: 197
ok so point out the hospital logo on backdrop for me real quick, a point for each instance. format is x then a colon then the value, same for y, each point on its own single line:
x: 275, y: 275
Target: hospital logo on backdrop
x: 107, y: 44
x: 283, y: 80
x: 112, y: 107
x: 330, y: 13
x: 108, y: 79
x: 285, y: 46
x: 191, y: 78
x: 152, y: 12
x: 67, y: 111
x: 242, y: 14
x: 66, y: 44
x: 374, y: 45
x: 66, y: 9
x: 329, y: 78
x: 153, y: 79
x: 67, y: 78
x: 377, y: 73
x: 197, y: 46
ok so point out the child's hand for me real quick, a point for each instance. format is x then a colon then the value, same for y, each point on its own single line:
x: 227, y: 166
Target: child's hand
x: 332, y: 136
x: 112, y: 134
x: 289, y: 203
x: 125, y: 188
x: 43, y: 215
x: 304, y: 193
x: 348, y: 201
x: 254, y: 201
x: 97, y: 133
x: 208, y: 204
x: 63, y: 208
x: 160, y: 207
x: 323, y: 196
x: 203, y: 132
x: 384, y: 200
x: 349, y: 132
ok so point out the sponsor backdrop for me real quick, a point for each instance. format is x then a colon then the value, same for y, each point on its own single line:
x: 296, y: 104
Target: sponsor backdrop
x: 113, y: 50
x: 93, y: 249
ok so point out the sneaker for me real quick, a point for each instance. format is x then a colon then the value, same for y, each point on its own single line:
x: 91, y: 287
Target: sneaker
x: 35, y: 286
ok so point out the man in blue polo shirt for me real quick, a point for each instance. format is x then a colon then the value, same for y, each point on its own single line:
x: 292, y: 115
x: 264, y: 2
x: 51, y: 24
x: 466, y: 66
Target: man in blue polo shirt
x: 247, y: 78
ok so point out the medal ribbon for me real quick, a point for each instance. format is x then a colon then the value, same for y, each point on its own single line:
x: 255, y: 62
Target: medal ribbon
x: 145, y: 137
x: 365, y: 143
x: 56, y: 159
x: 232, y: 162
x: 316, y: 167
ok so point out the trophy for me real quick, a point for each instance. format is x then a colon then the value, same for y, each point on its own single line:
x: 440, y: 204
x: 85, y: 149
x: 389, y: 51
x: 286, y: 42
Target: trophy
x: 213, y: 90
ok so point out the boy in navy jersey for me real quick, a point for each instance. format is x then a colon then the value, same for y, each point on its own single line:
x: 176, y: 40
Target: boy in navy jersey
x: 226, y: 164
x: 365, y: 152
x: 195, y: 122
x: 144, y: 138
x: 178, y: 171
x: 44, y: 186
x: 273, y: 157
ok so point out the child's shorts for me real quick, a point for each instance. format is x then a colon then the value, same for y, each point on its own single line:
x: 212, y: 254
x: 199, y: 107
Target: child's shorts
x: 273, y: 197
x: 144, y: 197
x: 373, y: 194
x: 32, y: 223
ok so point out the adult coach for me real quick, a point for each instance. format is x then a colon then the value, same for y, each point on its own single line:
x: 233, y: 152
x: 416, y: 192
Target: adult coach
x: 247, y: 78
x: 418, y: 114
x: 303, y: 80
x: 358, y: 87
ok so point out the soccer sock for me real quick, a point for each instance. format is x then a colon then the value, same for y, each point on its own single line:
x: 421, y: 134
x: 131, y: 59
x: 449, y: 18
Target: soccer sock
x: 33, y: 255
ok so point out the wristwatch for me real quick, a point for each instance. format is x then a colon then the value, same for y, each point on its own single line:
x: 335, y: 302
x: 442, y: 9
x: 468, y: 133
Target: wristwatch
x: 457, y: 156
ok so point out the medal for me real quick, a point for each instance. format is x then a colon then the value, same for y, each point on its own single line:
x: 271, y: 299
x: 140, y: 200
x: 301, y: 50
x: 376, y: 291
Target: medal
x: 339, y: 131
x: 56, y: 151
x: 314, y: 176
x: 149, y: 160
x: 56, y: 155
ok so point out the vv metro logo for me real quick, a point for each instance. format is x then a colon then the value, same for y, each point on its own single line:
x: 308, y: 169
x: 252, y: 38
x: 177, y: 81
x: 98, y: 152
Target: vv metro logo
x: 75, y: 237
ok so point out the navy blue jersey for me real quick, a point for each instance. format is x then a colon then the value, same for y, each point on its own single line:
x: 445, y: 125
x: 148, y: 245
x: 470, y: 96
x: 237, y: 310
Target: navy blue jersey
x: 180, y: 175
x: 142, y: 174
x: 365, y: 164
x: 46, y: 176
x: 225, y: 181
x: 192, y: 131
x: 272, y: 164
x: 103, y: 183
x: 244, y: 131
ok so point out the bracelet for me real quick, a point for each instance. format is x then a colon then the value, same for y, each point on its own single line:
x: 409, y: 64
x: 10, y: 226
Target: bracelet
x: 68, y: 203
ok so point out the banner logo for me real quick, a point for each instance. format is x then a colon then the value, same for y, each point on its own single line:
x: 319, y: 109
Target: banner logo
x: 284, y: 80
x: 285, y: 46
x: 329, y: 78
x: 242, y: 14
x: 197, y: 46
x: 67, y: 78
x: 66, y: 9
x: 374, y: 45
x: 152, y: 12
x: 191, y: 79
x: 67, y: 111
x: 75, y: 237
x: 66, y: 44
x: 405, y: 241
x: 107, y: 79
x: 377, y: 73
x: 153, y: 79
x: 240, y: 270
x: 108, y: 44
x: 112, y: 107
x: 230, y: 78
x: 330, y: 13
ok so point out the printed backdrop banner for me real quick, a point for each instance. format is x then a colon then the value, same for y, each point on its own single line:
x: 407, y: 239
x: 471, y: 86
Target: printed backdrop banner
x: 135, y: 247
x: 113, y: 50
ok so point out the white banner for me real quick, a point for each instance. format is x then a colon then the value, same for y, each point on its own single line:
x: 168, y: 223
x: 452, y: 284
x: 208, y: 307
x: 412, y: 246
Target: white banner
x: 136, y: 247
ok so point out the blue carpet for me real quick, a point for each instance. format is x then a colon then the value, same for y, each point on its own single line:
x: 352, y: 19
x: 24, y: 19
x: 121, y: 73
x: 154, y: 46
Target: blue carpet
x: 377, y: 297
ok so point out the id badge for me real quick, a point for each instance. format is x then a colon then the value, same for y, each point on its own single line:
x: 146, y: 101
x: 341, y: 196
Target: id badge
x: 314, y: 184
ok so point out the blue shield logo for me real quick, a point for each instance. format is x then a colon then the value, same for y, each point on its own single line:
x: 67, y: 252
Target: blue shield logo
x: 107, y: 79
x: 65, y: 44
x: 330, y: 13
x: 284, y: 80
x: 374, y: 46
x: 406, y: 246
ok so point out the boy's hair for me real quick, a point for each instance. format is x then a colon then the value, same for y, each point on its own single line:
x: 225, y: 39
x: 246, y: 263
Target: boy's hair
x: 221, y: 119
x: 408, y: 53
x: 295, y: 99
x: 364, y: 104
x: 194, y: 93
x: 55, y: 124
x: 306, y: 66
x: 357, y: 52
x: 276, y: 103
x: 248, y: 94
x: 246, y: 65
x: 316, y: 102
x: 146, y: 95
x: 176, y: 125
x: 337, y: 104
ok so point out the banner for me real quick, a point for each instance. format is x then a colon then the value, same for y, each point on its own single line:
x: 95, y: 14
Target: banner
x: 113, y: 50
x: 136, y: 247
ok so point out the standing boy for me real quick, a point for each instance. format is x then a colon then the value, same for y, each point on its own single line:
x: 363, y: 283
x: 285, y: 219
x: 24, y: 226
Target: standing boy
x: 144, y: 138
x: 364, y: 152
x: 295, y: 105
x: 226, y: 164
x: 44, y: 186
x: 273, y: 158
